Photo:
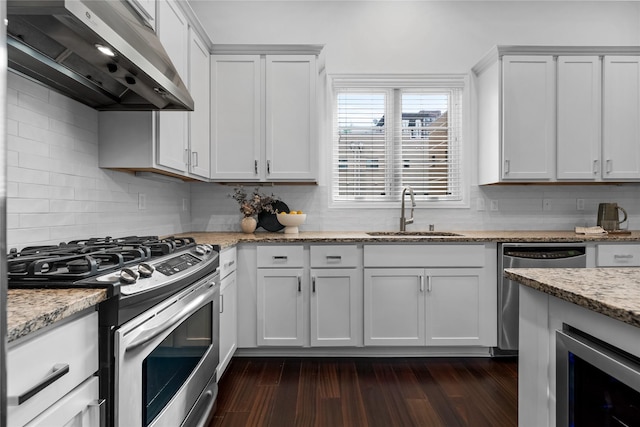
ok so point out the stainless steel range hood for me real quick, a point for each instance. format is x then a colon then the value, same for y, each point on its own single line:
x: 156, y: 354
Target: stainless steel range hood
x: 55, y: 42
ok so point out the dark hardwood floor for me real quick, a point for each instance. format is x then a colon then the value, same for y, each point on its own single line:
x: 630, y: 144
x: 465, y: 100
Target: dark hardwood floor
x: 385, y: 392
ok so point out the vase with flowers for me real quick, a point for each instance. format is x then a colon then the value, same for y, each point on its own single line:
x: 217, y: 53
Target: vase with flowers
x: 251, y: 205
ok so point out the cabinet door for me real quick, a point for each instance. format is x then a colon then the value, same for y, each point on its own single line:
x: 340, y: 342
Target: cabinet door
x: 394, y: 305
x: 235, y: 117
x: 291, y: 117
x: 454, y: 310
x: 336, y: 306
x: 528, y: 112
x: 280, y: 308
x: 199, y: 81
x: 173, y: 130
x: 620, y: 124
x: 579, y: 100
x: 228, y: 321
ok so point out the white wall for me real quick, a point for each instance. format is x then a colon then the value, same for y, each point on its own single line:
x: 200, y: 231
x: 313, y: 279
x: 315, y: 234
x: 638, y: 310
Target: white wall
x: 421, y: 37
x: 56, y: 192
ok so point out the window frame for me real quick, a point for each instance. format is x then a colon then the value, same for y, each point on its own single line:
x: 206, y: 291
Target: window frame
x: 395, y: 84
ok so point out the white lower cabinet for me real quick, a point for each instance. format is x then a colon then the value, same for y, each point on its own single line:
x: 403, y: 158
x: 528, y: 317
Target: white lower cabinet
x: 336, y: 296
x: 414, y: 306
x: 281, y: 310
x: 51, y: 376
x: 411, y: 295
x: 300, y: 306
x: 228, y: 309
x: 393, y: 307
x: 80, y: 408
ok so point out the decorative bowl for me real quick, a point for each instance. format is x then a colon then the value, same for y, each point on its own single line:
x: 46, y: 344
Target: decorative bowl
x: 291, y: 222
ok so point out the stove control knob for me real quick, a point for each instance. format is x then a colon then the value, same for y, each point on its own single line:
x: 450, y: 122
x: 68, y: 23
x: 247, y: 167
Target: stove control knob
x: 128, y: 276
x: 208, y: 247
x: 200, y: 250
x: 145, y: 269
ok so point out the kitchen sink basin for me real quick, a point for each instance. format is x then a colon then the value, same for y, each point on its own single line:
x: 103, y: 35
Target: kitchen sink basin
x: 412, y: 234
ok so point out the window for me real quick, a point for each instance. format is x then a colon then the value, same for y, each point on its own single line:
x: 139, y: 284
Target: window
x: 389, y: 134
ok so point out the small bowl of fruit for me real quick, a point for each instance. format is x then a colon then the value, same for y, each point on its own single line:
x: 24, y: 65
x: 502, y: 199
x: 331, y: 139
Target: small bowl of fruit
x: 291, y: 220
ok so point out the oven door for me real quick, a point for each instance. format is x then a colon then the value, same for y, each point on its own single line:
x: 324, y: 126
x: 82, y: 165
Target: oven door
x: 166, y: 358
x: 596, y: 384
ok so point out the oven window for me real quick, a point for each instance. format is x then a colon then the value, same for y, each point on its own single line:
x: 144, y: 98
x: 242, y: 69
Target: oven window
x: 597, y: 399
x: 169, y: 365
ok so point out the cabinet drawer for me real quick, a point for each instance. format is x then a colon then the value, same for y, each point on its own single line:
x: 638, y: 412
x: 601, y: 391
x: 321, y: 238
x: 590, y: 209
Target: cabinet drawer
x: 227, y: 261
x: 436, y: 255
x: 618, y: 256
x: 280, y: 256
x: 81, y: 406
x: 334, y: 256
x: 71, y: 348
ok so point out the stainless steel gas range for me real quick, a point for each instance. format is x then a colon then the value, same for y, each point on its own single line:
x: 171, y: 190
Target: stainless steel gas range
x: 158, y: 328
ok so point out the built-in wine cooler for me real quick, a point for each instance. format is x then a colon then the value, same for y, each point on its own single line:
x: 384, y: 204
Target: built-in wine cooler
x: 596, y: 383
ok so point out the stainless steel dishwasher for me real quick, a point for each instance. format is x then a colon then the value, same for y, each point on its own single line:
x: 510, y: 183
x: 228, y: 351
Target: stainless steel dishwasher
x: 527, y: 255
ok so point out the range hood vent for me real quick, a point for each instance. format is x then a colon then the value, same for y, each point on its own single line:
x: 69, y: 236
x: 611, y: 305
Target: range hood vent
x: 56, y: 43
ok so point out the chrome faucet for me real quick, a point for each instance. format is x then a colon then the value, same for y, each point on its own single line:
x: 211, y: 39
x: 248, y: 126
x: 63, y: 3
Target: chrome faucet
x: 404, y: 221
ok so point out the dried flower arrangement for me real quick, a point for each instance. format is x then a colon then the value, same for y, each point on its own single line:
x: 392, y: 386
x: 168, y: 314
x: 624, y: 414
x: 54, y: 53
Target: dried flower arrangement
x: 254, y: 203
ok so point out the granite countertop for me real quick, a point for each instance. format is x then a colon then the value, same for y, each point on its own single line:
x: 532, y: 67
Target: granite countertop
x: 226, y: 239
x: 614, y: 292
x: 31, y: 309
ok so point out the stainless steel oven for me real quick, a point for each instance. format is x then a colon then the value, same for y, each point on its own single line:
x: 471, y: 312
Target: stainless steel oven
x: 166, y: 360
x: 158, y: 327
x: 596, y: 383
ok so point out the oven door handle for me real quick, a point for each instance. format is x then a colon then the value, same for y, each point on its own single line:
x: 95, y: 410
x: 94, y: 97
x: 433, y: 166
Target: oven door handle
x: 147, y: 335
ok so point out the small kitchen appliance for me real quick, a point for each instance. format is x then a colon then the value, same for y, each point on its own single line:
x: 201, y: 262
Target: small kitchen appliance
x: 158, y: 328
x: 608, y: 216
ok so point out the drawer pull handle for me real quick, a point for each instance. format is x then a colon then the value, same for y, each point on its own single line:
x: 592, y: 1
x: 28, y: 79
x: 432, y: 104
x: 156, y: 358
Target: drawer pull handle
x: 229, y: 264
x: 623, y: 256
x: 58, y: 371
x: 336, y: 258
x: 280, y: 258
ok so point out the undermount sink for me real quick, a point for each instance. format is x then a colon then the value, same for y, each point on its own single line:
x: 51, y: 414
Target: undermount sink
x: 412, y: 234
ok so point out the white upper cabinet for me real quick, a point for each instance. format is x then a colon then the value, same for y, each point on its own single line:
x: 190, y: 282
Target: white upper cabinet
x: 264, y: 117
x: 621, y: 113
x: 235, y: 117
x: 173, y: 126
x: 174, y: 143
x: 199, y: 137
x: 559, y: 114
x: 579, y: 101
x: 290, y: 117
x: 528, y: 117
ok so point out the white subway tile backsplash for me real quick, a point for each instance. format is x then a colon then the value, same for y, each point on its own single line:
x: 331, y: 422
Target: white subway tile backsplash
x: 12, y: 158
x: 56, y: 190
x: 27, y: 145
x: 17, y: 84
x: 18, y: 174
x: 39, y: 191
x: 20, y: 237
x: 18, y: 205
x: 46, y: 220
